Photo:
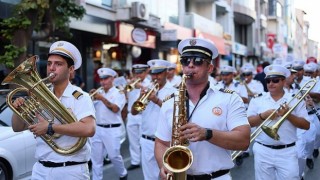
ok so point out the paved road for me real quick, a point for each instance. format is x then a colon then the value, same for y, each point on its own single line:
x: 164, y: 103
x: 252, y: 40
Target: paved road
x: 244, y: 172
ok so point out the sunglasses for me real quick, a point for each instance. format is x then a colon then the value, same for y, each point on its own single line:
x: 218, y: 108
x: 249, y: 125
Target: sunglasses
x: 275, y: 80
x: 196, y: 61
x: 246, y: 74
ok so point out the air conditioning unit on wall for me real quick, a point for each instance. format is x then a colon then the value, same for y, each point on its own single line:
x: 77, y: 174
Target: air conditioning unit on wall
x: 139, y: 11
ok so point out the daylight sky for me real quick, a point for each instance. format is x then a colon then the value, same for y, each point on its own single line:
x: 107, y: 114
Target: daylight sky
x: 311, y: 7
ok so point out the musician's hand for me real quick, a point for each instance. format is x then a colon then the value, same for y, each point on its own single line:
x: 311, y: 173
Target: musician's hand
x: 92, y: 91
x: 164, y: 173
x: 98, y: 96
x: 283, y: 110
x: 153, y: 97
x: 39, y: 128
x: 192, y: 132
x: 18, y: 102
x: 267, y: 113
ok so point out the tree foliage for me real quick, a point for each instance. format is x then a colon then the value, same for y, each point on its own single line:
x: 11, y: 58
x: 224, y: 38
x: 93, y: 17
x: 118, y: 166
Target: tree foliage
x: 35, y: 20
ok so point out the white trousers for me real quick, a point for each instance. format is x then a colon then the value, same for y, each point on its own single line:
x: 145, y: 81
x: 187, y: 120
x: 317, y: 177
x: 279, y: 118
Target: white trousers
x: 275, y: 164
x: 133, y: 131
x: 150, y: 167
x: 106, y: 141
x: 75, y: 172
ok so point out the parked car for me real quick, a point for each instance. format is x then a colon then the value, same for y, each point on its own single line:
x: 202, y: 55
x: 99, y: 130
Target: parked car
x: 17, y: 148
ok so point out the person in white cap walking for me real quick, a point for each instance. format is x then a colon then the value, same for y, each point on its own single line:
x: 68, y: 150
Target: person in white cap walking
x: 63, y: 59
x: 172, y: 77
x: 108, y: 104
x: 217, y: 121
x: 149, y: 116
x: 139, y: 71
x: 277, y: 159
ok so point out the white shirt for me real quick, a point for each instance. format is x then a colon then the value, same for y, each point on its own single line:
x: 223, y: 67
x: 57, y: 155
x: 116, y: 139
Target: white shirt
x: 287, y: 131
x: 235, y: 86
x: 151, y: 113
x: 81, y: 108
x: 255, y: 86
x: 216, y: 110
x: 105, y: 115
x: 175, y: 81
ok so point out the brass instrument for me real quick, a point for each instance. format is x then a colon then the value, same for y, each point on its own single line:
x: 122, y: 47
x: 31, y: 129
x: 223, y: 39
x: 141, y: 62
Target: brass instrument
x: 39, y: 100
x: 178, y: 157
x: 272, y: 132
x: 96, y: 91
x: 130, y: 87
x: 142, y: 103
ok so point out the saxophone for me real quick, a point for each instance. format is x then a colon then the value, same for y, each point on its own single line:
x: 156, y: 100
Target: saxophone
x: 178, y: 157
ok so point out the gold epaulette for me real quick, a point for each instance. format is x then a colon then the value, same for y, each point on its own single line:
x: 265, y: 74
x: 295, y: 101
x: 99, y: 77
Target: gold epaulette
x: 226, y: 91
x: 77, y: 94
x: 257, y: 95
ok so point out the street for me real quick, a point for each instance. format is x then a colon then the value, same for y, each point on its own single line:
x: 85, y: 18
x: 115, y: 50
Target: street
x: 243, y: 172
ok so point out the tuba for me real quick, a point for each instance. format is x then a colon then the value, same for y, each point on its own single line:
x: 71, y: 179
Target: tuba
x: 178, y: 158
x: 39, y: 100
x: 142, y: 103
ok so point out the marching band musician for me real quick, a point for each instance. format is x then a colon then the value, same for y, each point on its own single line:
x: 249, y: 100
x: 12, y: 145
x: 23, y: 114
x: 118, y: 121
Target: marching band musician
x: 108, y: 105
x: 254, y: 87
x: 276, y: 159
x: 63, y: 59
x: 227, y: 75
x: 172, y: 78
x: 217, y: 118
x: 149, y: 117
x: 134, y: 121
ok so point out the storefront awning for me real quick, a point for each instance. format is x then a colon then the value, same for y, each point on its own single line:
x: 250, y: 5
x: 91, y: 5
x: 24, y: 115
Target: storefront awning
x: 218, y: 41
x: 181, y: 32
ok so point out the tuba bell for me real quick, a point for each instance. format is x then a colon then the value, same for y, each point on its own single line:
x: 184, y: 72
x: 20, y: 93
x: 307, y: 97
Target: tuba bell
x: 39, y: 100
x: 178, y: 157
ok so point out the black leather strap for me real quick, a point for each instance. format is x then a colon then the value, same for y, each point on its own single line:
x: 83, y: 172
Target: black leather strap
x: 277, y: 146
x: 148, y: 137
x: 62, y: 164
x: 208, y: 176
x: 109, y: 125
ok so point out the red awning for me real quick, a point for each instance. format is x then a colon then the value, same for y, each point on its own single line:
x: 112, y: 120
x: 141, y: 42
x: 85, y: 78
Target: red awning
x: 218, y: 41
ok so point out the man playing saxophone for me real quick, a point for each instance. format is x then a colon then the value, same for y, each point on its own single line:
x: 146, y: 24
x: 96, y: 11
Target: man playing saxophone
x: 149, y: 116
x: 63, y: 59
x: 217, y: 121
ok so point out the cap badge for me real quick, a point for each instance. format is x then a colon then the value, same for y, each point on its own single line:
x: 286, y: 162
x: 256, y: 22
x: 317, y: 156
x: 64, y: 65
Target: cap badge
x: 217, y: 111
x: 60, y: 44
x: 153, y: 63
x: 193, y: 42
x: 270, y: 68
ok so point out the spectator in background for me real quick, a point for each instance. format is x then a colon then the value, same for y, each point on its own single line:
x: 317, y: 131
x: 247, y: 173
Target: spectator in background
x: 97, y: 65
x: 76, y: 79
x: 260, y: 77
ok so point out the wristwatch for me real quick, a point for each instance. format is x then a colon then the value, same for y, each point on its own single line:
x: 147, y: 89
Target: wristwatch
x: 208, y: 133
x: 50, y: 130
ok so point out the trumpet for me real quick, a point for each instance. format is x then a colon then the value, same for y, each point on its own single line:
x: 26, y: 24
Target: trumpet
x: 272, y: 132
x: 141, y: 103
x: 130, y: 87
x: 96, y: 91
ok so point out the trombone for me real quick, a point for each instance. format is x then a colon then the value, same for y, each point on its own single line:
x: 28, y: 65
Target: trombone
x: 273, y: 131
x: 141, y: 103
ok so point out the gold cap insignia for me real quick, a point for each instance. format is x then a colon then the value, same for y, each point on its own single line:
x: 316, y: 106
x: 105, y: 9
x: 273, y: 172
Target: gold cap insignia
x: 193, y: 42
x: 270, y: 68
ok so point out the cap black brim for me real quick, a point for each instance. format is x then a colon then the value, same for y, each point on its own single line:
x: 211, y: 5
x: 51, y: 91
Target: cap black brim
x: 195, y: 54
x: 274, y: 76
x: 156, y: 71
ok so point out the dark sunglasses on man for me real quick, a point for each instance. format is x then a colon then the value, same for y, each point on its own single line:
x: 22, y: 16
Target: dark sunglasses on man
x: 197, y: 61
x: 273, y: 80
x: 246, y: 74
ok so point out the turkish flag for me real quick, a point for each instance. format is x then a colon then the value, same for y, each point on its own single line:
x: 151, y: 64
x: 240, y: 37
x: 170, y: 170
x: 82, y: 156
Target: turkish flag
x: 270, y: 40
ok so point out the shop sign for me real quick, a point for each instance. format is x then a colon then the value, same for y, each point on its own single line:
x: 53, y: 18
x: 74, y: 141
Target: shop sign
x: 139, y: 35
x: 240, y: 49
x: 169, y: 35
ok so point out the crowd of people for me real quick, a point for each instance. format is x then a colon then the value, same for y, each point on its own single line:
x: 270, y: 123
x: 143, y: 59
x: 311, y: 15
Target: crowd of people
x: 220, y: 114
